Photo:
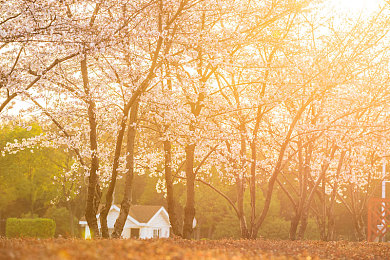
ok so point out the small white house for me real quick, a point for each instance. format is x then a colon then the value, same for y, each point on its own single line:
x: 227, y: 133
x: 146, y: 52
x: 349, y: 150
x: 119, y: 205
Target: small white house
x: 142, y: 222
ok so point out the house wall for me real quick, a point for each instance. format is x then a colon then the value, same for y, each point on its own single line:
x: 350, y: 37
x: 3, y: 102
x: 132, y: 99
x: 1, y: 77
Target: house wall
x: 146, y: 233
x: 112, y: 217
x: 126, y: 233
x: 159, y: 221
x: 165, y: 232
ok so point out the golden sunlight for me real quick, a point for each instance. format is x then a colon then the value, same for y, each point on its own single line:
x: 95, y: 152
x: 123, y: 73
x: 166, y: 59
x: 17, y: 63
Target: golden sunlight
x: 357, y: 7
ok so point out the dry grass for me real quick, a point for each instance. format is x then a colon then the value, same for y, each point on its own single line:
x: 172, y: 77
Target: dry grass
x: 186, y: 249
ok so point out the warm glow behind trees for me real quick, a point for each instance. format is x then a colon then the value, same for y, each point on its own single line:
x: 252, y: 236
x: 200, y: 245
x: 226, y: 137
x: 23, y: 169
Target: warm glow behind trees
x: 268, y: 94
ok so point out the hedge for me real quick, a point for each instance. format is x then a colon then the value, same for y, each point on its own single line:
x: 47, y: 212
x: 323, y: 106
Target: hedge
x: 30, y: 227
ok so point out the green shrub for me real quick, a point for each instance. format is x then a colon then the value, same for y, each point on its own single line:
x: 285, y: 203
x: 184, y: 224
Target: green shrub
x: 30, y: 227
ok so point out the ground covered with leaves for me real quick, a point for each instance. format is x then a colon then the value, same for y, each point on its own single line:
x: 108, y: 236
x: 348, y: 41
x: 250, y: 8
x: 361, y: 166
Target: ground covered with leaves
x: 186, y: 249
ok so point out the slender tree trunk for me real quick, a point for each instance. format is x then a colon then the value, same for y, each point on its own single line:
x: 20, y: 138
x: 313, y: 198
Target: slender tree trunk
x: 189, y: 210
x: 241, y: 184
x: 327, y: 224
x: 133, y: 104
x: 298, y: 212
x: 360, y: 228
x: 330, y: 212
x: 111, y: 188
x: 321, y: 227
x: 126, y: 202
x: 240, y: 207
x: 71, y: 219
x: 94, y: 193
x: 277, y: 169
x: 170, y: 194
x: 259, y: 115
x: 315, y: 190
x: 305, y: 203
x: 252, y: 186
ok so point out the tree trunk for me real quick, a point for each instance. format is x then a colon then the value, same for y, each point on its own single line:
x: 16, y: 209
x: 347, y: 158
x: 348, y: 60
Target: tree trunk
x: 94, y: 193
x: 170, y: 194
x: 294, y: 226
x: 252, y: 185
x: 303, y: 226
x: 189, y: 210
x: 71, y: 220
x: 126, y: 202
x: 305, y: 201
x: 359, y: 225
x: 321, y: 227
x: 240, y: 207
x: 277, y: 169
x: 302, y: 192
x: 111, y: 188
x: 241, y: 184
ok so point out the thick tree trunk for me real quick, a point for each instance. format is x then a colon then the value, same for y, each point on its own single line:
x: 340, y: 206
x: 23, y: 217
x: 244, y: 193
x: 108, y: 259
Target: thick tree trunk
x: 170, y: 194
x: 126, y: 201
x: 189, y: 210
x: 109, y: 196
x: 294, y: 226
x: 303, y: 226
x: 94, y: 193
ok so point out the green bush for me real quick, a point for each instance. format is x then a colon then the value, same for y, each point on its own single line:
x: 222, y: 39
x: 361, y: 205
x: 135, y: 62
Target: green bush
x: 30, y: 227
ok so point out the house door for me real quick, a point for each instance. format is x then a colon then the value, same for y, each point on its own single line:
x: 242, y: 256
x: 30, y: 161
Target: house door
x: 134, y: 232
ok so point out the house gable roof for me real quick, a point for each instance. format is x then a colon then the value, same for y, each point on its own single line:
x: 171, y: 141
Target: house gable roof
x: 143, y: 213
x: 137, y: 213
x: 163, y: 213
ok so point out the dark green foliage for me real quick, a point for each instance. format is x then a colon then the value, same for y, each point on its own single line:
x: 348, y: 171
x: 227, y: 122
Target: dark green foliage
x: 275, y: 228
x: 63, y: 220
x: 30, y: 227
x: 26, y: 177
x: 218, y: 220
x: 312, y: 232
